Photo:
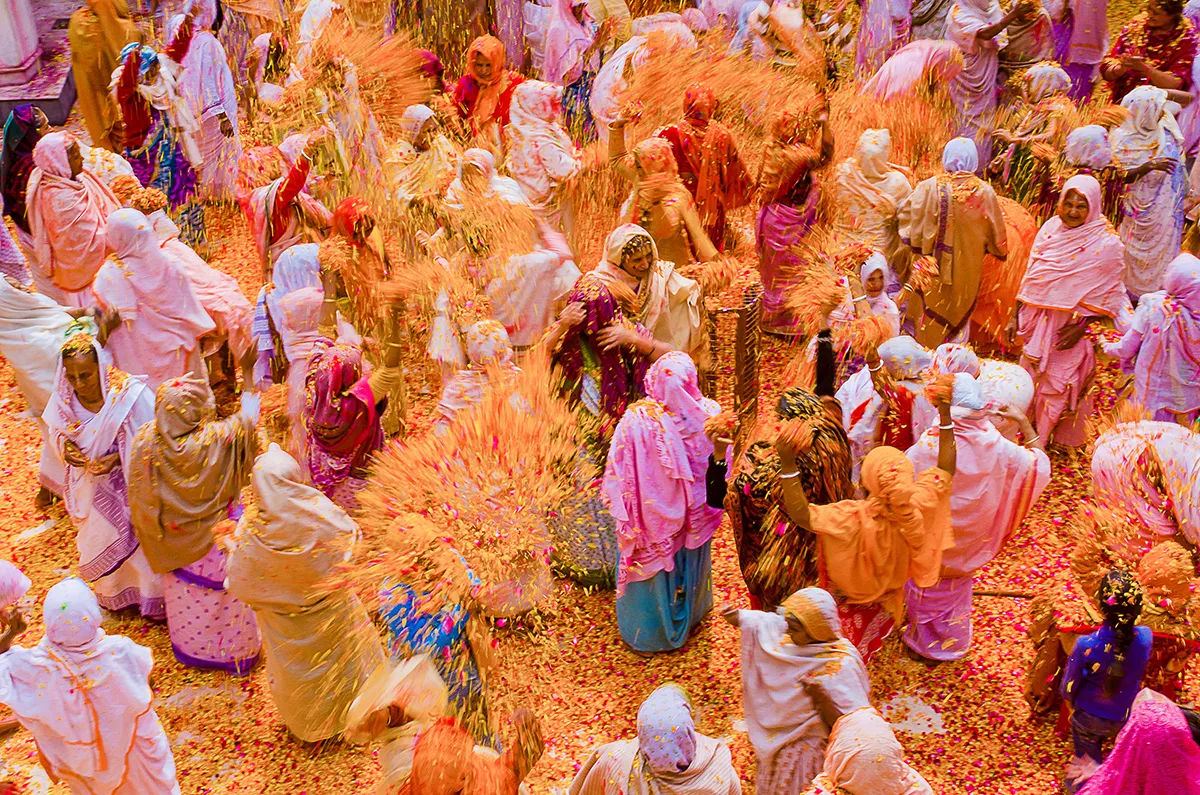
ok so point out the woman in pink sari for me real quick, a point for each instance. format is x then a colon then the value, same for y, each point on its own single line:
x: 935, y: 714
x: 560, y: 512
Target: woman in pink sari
x: 922, y: 65
x: 655, y: 486
x: 343, y: 407
x: 996, y: 482
x: 67, y: 209
x: 884, y: 29
x: 1074, y: 278
x: 159, y: 319
x: 187, y: 470
x: 1162, y: 346
x: 788, y: 194
x: 1156, y: 753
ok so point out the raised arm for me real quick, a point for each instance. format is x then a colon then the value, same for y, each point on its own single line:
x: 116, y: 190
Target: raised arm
x: 947, y: 451
x: 177, y: 50
x: 795, y: 501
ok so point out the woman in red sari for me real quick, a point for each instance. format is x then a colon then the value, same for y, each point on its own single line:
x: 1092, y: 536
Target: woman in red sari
x: 484, y: 94
x: 1155, y: 48
x: 709, y: 163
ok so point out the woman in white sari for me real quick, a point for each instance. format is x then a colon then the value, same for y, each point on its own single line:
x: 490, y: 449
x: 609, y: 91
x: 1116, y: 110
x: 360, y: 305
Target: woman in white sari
x: 85, y: 697
x: 92, y: 417
x: 869, y: 189
x: 613, y: 77
x: 978, y: 28
x: 1148, y: 145
x: 424, y: 159
x: 206, y: 85
x: 541, y: 156
x: 320, y: 645
x: 32, y: 330
x: 780, y: 651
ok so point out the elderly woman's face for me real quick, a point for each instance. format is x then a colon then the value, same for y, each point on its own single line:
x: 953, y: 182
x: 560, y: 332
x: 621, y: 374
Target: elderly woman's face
x: 472, y: 177
x: 1157, y: 16
x: 481, y: 67
x: 637, y: 263
x: 421, y: 142
x: 83, y: 374
x: 1074, y: 209
x: 874, y: 285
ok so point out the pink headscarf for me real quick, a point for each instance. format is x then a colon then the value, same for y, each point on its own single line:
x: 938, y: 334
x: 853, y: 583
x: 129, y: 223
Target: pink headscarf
x: 1154, y: 754
x: 1167, y: 365
x: 954, y: 358
x: 1081, y: 267
x: 903, y: 73
x: 67, y: 216
x: 654, y: 480
x: 340, y: 415
x: 566, y: 40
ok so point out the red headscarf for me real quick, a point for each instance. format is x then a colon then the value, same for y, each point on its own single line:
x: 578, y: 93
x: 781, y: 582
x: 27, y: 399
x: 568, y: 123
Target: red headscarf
x: 349, y: 217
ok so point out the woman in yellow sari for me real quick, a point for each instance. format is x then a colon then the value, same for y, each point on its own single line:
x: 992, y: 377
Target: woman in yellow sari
x: 97, y: 33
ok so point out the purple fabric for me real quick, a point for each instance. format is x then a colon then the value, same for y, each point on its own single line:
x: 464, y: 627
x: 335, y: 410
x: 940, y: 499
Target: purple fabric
x: 780, y: 228
x: 621, y: 370
x: 880, y: 36
x: 16, y: 162
x: 341, y: 415
x: 939, y: 618
x: 209, y: 628
x: 162, y: 165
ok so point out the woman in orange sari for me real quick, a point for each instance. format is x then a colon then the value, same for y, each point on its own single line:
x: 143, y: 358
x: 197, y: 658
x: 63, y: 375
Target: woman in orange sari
x: 484, y: 94
x: 709, y: 163
x: 871, y: 547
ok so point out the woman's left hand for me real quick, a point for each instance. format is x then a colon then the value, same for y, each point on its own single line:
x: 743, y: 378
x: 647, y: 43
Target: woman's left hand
x: 104, y: 464
x: 616, y: 335
x: 786, y: 453
x: 1069, y: 336
x: 572, y: 315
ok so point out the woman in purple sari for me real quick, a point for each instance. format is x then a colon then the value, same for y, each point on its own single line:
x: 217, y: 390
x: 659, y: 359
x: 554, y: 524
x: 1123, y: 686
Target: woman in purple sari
x: 788, y: 194
x: 343, y: 406
x: 603, y: 360
x: 25, y: 127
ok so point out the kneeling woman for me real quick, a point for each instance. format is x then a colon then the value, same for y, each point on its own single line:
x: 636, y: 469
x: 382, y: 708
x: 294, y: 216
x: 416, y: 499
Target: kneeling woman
x: 655, y: 488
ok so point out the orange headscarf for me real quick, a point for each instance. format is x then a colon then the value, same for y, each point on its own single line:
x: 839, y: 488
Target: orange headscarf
x: 493, y: 50
x: 871, y: 547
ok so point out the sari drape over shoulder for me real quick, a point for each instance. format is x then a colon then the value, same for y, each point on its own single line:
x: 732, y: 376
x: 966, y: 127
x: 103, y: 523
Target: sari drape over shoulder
x: 869, y: 192
x: 1162, y: 346
x: 864, y: 756
x: 320, y: 643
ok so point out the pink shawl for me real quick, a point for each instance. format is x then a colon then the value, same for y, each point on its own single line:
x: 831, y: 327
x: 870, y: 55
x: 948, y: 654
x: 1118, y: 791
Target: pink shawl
x: 67, y: 216
x: 160, y: 313
x: 218, y: 292
x: 1089, y: 32
x: 1080, y: 268
x: 1162, y: 346
x: 995, y: 484
x: 902, y: 74
x: 1125, y: 481
x: 565, y: 40
x: 654, y: 479
x: 341, y: 415
x: 1154, y: 754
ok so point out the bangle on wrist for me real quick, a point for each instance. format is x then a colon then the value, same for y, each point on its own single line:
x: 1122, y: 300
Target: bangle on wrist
x: 1030, y: 442
x: 789, y: 475
x: 949, y: 427
x: 860, y: 298
x: 876, y: 368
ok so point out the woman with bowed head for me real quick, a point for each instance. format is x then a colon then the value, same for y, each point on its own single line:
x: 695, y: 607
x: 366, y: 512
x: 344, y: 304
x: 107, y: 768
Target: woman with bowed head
x: 1148, y: 146
x: 869, y: 190
x: 996, y: 482
x: 668, y: 755
x: 187, y: 469
x: 955, y: 218
x: 654, y: 485
x: 92, y: 417
x: 541, y: 157
x: 1104, y: 673
x: 785, y: 655
x: 320, y: 645
x: 153, y: 317
x: 905, y: 516
x: 1073, y: 279
x: 863, y: 756
x: 67, y: 209
x: 85, y: 697
x: 1162, y: 346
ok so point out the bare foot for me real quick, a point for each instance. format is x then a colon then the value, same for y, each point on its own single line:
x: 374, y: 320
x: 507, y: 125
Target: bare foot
x: 45, y: 498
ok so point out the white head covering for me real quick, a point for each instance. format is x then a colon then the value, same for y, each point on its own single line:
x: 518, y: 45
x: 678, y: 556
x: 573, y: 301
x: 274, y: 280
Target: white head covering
x: 1044, y: 80
x: 872, y: 152
x: 904, y: 357
x: 1088, y: 147
x: 968, y: 394
x: 961, y: 154
x: 1142, y: 135
x: 413, y: 120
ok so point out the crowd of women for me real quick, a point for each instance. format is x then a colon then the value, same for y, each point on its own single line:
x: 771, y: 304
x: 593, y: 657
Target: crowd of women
x: 959, y: 320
